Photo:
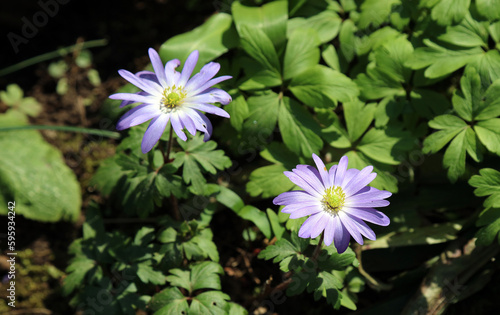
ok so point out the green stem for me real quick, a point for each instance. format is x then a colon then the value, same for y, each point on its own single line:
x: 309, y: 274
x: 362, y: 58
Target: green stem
x: 53, y: 54
x: 169, y: 148
x: 98, y: 132
x: 317, y: 250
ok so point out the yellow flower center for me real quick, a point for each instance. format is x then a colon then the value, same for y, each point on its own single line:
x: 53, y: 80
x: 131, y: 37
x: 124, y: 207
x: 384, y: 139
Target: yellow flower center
x: 333, y: 200
x: 172, y: 98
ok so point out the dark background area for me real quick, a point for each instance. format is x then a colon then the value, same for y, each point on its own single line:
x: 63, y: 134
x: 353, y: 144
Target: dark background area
x: 129, y: 26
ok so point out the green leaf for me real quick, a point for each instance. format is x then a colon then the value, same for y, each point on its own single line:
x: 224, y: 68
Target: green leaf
x: 358, y: 117
x: 168, y: 184
x: 256, y: 43
x: 376, y: 39
x: 269, y: 181
x: 320, y: 86
x: 276, y: 226
x: 488, y: 132
x: 326, y: 285
x: 387, y: 72
x: 147, y: 274
x: 270, y: 18
x: 301, y: 53
x: 441, y: 61
x: 77, y: 270
x: 335, y: 134
x: 199, y: 155
x: 348, y: 42
x: 298, y: 128
x: 258, y: 217
x: 448, y: 12
x: 30, y: 106
x: 238, y: 110
x: 326, y: 24
x: 489, y: 9
x: 34, y: 174
x: 205, y: 275
x: 12, y: 95
x: 490, y: 220
x: 235, y: 309
x: 212, y: 39
x: 211, y: 302
x: 283, y: 249
x: 263, y: 115
x: 431, y: 234
x: 454, y: 156
x: 386, y: 146
x: 469, y: 33
x: 169, y: 301
x: 374, y: 12
x: 451, y: 125
x: 487, y: 184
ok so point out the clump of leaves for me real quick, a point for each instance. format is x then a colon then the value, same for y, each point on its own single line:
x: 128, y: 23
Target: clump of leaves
x: 14, y: 98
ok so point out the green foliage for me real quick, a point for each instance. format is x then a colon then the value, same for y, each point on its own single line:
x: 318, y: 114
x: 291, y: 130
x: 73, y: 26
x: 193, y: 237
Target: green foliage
x: 198, y: 153
x: 487, y: 184
x: 35, y: 176
x: 212, y: 39
x: 390, y: 84
x: 14, y: 98
x: 200, y: 276
x: 476, y: 126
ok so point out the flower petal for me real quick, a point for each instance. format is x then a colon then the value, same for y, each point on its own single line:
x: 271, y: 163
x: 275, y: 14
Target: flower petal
x: 206, y: 73
x: 371, y: 194
x: 299, y: 181
x: 158, y: 67
x: 370, y: 215
x: 209, y: 84
x: 148, y: 75
x: 367, y: 203
x: 351, y: 227
x: 341, y: 170
x: 214, y: 95
x: 322, y: 170
x: 170, y: 73
x: 154, y: 132
x: 321, y: 224
x: 295, y: 196
x: 308, y: 226
x: 297, y: 206
x: 125, y: 103
x: 145, y: 85
x: 176, y: 124
x: 135, y: 98
x: 208, y: 108
x: 329, y: 231
x: 137, y: 115
x: 364, y: 229
x: 341, y: 236
x: 311, y: 176
x: 359, y: 181
x: 202, y: 123
x: 305, y: 211
x: 187, y: 122
x: 188, y: 68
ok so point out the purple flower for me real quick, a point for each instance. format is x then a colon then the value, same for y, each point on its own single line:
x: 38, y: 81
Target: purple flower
x: 168, y: 95
x: 337, y: 201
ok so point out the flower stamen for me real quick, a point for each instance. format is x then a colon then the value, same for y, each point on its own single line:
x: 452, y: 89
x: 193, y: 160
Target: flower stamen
x: 172, y: 98
x: 333, y: 200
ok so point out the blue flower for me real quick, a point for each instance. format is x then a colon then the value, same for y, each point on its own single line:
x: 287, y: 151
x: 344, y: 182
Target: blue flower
x: 337, y: 202
x: 168, y: 95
